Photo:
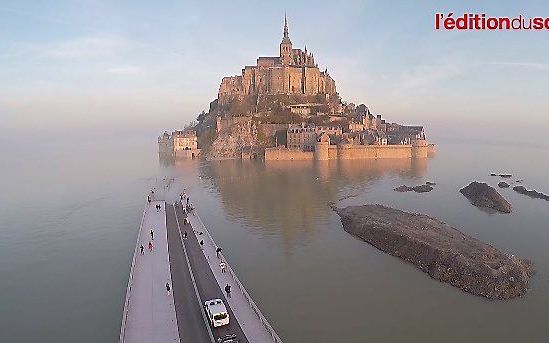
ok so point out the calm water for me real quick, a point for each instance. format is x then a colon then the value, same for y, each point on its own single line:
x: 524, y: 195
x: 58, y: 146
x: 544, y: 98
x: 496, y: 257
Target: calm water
x: 69, y: 218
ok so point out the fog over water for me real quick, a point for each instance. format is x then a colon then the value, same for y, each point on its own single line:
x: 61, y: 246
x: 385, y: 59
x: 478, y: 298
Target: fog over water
x: 70, y: 215
x: 87, y: 86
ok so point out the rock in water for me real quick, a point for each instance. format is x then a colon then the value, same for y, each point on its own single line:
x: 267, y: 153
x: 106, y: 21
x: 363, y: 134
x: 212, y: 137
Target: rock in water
x: 482, y: 195
x: 403, y: 188
x: 417, y: 189
x: 443, y: 252
x: 422, y: 188
x: 503, y: 184
x: 531, y: 193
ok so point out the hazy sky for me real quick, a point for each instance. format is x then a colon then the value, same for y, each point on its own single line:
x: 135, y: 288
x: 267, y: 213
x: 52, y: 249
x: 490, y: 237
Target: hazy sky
x: 115, y: 66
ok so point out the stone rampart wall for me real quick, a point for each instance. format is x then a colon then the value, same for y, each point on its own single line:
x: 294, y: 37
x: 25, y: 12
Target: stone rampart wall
x: 359, y: 152
x: 285, y: 154
x: 345, y: 152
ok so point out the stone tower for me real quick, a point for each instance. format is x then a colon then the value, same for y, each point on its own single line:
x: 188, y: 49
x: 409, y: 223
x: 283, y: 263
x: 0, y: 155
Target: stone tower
x: 286, y: 46
x: 321, y: 147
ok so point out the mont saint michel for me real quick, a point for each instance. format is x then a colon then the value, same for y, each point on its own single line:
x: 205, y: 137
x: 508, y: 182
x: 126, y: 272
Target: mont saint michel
x: 217, y: 171
x: 286, y: 107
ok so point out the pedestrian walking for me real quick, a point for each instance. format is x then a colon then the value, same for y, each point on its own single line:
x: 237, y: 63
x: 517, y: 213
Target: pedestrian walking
x: 187, y: 201
x: 150, y: 246
x: 168, y: 288
x: 228, y: 290
x: 142, y: 249
x: 180, y: 196
x: 149, y: 198
x: 222, y: 266
x: 152, y: 235
x: 201, y: 244
x: 218, y: 251
x: 185, y: 235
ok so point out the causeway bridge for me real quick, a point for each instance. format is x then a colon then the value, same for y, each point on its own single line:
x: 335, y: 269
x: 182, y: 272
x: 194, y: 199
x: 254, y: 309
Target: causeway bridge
x: 177, y: 259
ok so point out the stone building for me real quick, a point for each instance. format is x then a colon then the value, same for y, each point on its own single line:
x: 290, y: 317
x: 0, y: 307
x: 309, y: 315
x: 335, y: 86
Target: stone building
x: 165, y: 147
x: 178, y: 144
x: 301, y: 137
x: 402, y: 134
x: 294, y: 71
x: 185, y: 140
x: 305, y: 110
x: 305, y: 137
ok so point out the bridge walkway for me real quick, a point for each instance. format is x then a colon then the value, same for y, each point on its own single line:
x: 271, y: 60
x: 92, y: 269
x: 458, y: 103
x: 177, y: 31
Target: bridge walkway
x: 254, y: 325
x: 149, y: 310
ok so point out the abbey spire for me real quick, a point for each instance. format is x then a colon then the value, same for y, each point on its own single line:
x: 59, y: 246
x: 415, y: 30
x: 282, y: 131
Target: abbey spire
x: 286, y: 45
x: 286, y: 37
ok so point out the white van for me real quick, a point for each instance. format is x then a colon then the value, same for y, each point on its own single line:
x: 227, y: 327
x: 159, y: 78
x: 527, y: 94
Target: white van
x: 216, y: 312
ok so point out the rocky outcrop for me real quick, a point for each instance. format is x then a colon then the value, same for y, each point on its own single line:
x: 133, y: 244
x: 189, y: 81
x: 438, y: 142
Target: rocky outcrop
x: 501, y: 175
x: 231, y: 142
x: 423, y: 188
x: 417, y: 189
x: 503, y: 184
x: 531, y: 193
x: 441, y: 251
x: 403, y: 189
x: 482, y: 195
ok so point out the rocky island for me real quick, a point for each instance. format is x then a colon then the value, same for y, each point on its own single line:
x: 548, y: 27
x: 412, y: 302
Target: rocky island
x: 482, y: 195
x: 443, y: 252
x: 286, y: 107
x: 531, y: 193
x: 503, y: 184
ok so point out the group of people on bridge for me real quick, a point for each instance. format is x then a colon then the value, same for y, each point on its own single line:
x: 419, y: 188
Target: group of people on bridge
x: 189, y: 209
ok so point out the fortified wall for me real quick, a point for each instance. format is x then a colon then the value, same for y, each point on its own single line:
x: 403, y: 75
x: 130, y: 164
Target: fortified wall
x: 324, y: 151
x: 282, y: 153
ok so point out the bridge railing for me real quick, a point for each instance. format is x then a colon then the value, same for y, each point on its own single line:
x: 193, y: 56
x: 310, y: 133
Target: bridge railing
x: 130, y: 280
x: 247, y: 296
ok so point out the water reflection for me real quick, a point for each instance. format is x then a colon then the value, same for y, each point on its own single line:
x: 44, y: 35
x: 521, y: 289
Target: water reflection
x: 290, y: 198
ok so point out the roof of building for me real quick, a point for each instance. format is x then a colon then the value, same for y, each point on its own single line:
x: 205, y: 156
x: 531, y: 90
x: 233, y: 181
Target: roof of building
x: 184, y: 133
x: 269, y: 58
x: 216, y: 306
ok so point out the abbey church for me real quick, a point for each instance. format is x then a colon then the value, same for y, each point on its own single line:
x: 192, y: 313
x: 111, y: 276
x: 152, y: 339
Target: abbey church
x: 294, y: 71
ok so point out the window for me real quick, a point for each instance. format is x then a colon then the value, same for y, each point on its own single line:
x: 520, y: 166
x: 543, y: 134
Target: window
x: 220, y: 316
